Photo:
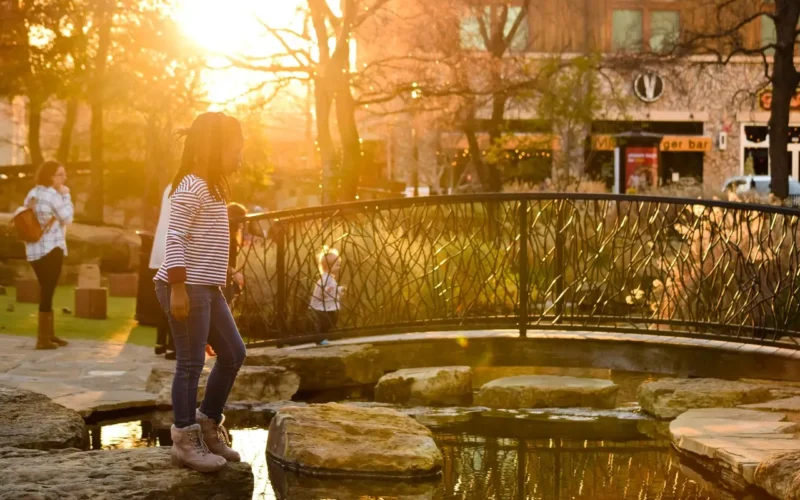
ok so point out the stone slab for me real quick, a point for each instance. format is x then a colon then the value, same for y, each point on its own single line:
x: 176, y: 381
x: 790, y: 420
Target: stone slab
x: 321, y: 368
x: 32, y: 420
x: 114, y: 475
x: 699, y: 427
x: 788, y: 404
x: 443, y: 386
x: 88, y: 402
x: 668, y: 398
x: 546, y: 391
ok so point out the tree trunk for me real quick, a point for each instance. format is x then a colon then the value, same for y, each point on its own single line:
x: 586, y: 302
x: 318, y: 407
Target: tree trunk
x: 34, y: 129
x: 499, y: 100
x: 784, y: 84
x: 65, y: 142
x: 327, y: 150
x: 97, y: 204
x: 323, y: 97
x: 470, y: 130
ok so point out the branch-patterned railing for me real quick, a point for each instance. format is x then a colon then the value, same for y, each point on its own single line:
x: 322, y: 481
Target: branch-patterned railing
x: 530, y: 261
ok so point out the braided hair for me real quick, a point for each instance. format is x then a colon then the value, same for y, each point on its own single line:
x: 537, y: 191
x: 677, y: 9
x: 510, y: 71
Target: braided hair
x: 203, y: 148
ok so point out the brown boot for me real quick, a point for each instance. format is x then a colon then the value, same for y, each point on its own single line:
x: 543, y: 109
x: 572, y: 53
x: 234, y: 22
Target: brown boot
x: 51, y: 329
x: 189, y: 450
x: 44, y: 333
x: 216, y: 437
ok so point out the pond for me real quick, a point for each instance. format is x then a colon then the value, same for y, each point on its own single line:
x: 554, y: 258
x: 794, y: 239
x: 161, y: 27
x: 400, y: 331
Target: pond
x: 535, y: 454
x: 489, y: 455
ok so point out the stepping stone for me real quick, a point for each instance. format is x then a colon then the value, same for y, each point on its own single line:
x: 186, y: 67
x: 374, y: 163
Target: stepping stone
x: 321, y: 368
x: 545, y: 391
x: 443, y: 386
x: 31, y: 420
x: 254, y: 383
x: 668, y: 398
x: 114, y: 474
x: 335, y: 439
x: 735, y: 440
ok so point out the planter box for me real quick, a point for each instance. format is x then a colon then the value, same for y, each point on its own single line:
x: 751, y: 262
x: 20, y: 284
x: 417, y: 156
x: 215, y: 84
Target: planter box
x: 91, y: 303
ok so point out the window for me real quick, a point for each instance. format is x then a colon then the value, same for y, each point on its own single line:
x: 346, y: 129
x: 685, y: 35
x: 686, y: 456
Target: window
x: 769, y: 34
x: 470, y: 29
x: 665, y: 26
x: 626, y: 26
x: 471, y: 38
x: 630, y: 28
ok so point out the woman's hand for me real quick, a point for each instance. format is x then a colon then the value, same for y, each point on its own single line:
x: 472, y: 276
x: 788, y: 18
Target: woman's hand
x: 179, y: 302
x: 210, y: 351
x: 63, y: 190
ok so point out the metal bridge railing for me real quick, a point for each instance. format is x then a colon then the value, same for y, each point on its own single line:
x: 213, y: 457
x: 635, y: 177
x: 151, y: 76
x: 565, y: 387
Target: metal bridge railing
x: 562, y: 261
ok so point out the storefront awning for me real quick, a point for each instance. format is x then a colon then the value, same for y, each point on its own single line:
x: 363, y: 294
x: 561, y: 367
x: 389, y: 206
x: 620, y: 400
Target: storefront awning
x: 670, y: 143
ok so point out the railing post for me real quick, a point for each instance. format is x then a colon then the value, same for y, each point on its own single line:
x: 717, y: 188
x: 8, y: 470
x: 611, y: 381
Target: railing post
x: 559, y: 261
x: 280, y: 275
x: 524, y: 292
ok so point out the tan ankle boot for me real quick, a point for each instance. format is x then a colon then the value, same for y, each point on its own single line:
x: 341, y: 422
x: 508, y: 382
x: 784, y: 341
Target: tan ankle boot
x: 189, y: 450
x: 49, y: 319
x: 44, y: 332
x: 216, y: 437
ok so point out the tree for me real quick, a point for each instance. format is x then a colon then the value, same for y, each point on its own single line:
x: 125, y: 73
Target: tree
x: 727, y: 30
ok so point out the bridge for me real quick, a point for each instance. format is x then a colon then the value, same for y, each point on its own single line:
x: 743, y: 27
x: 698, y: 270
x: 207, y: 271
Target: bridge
x: 625, y: 265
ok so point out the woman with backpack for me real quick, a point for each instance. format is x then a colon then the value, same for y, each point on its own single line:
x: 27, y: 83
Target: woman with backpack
x: 51, y: 203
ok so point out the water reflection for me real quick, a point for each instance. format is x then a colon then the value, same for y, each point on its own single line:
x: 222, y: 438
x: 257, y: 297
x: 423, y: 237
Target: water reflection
x: 476, y: 467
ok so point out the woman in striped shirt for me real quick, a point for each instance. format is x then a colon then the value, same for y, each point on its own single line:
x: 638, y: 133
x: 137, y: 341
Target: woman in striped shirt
x: 188, y: 288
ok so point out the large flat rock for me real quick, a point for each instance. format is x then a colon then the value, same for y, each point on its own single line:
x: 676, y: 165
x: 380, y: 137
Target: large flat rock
x: 545, y: 391
x: 261, y: 384
x: 342, y: 440
x: 779, y: 475
x: 442, y: 386
x: 135, y: 474
x: 668, y: 398
x: 321, y: 368
x: 32, y: 420
x: 733, y: 441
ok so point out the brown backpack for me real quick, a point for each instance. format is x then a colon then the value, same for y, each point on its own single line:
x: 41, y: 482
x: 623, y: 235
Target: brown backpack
x: 27, y: 224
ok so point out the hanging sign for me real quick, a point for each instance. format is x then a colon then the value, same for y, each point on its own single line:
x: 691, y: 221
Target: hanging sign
x: 765, y: 101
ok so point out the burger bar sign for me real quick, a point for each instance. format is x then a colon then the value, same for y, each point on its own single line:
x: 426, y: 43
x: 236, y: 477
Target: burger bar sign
x: 648, y: 87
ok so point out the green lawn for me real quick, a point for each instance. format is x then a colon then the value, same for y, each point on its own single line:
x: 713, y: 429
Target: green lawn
x: 120, y: 325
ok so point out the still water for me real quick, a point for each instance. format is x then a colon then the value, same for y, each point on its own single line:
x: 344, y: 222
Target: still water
x: 492, y: 456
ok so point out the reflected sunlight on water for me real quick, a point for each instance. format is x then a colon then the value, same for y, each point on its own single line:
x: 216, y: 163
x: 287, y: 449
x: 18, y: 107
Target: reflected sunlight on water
x: 252, y: 445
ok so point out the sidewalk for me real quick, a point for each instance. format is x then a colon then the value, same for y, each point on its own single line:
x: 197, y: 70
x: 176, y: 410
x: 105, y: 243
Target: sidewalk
x: 86, y: 376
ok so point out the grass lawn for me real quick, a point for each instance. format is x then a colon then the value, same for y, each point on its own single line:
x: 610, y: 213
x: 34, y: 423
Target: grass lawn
x: 119, y: 327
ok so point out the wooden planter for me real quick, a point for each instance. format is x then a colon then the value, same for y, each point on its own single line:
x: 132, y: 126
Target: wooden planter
x: 28, y: 291
x: 91, y: 303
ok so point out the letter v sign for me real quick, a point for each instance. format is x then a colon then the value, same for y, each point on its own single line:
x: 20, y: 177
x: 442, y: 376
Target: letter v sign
x: 648, y: 87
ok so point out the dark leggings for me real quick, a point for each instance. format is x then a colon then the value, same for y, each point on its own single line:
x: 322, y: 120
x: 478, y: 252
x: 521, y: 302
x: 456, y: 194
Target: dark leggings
x: 48, y: 270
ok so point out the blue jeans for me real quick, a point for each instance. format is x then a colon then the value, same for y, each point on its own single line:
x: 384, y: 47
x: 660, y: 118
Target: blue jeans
x: 210, y: 322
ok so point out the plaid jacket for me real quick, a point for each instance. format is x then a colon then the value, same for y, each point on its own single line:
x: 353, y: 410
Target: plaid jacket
x: 49, y: 203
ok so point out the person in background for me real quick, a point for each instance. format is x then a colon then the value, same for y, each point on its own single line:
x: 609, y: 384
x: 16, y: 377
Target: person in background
x: 52, y: 204
x: 188, y: 286
x: 163, y: 336
x: 235, y: 280
x: 326, y: 296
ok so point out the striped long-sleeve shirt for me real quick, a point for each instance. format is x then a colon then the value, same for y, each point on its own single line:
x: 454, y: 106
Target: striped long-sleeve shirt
x: 197, y: 238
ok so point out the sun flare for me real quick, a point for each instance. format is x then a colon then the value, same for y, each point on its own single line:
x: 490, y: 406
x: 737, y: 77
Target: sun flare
x: 236, y: 28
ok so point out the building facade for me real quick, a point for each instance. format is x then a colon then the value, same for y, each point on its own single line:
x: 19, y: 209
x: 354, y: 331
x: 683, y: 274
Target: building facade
x: 713, y: 117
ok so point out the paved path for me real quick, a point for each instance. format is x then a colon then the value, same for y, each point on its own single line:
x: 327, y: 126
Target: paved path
x: 86, y: 376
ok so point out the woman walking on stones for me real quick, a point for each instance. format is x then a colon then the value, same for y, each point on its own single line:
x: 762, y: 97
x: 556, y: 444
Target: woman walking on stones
x: 52, y: 204
x: 188, y: 286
